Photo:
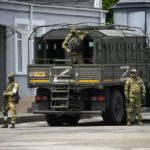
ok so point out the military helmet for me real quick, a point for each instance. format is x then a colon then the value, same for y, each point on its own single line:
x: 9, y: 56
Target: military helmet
x: 133, y: 71
x: 11, y: 75
x: 73, y: 29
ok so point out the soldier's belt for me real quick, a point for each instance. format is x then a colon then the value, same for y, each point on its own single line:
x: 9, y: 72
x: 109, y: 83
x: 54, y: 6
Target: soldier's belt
x: 138, y: 92
x: 135, y: 96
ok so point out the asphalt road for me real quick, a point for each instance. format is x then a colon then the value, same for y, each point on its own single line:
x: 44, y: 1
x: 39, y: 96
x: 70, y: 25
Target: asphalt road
x: 90, y: 134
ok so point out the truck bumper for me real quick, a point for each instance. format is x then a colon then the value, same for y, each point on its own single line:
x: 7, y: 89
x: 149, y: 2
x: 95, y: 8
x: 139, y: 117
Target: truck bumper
x: 66, y: 112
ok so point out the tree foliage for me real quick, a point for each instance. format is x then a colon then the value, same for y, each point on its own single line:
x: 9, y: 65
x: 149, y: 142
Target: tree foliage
x: 107, y: 5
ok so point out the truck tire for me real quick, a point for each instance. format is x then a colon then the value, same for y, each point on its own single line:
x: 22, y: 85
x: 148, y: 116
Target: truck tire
x: 74, y: 105
x: 54, y: 120
x: 114, y: 114
x: 72, y: 119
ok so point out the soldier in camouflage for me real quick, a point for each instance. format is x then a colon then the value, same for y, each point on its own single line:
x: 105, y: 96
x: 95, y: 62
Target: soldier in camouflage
x: 72, y: 44
x: 8, y: 102
x: 134, y: 92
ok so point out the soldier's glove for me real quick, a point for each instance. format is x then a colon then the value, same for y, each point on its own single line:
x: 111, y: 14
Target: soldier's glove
x: 4, y: 94
x: 128, y: 100
x: 9, y: 94
x: 68, y: 50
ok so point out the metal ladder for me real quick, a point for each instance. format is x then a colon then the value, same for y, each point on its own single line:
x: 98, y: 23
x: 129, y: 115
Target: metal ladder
x: 61, y: 84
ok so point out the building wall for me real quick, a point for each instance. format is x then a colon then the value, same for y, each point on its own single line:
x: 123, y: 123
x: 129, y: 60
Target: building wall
x: 136, y: 17
x: 130, y: 17
x: 120, y: 17
x: 2, y: 60
x: 25, y: 17
x: 148, y: 23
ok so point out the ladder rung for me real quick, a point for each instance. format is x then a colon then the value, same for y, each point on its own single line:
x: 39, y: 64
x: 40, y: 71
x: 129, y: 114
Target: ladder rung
x: 62, y: 67
x: 64, y: 60
x: 55, y: 75
x: 60, y: 83
x: 58, y: 99
x: 61, y: 91
x: 62, y: 80
x: 65, y: 87
x: 59, y: 106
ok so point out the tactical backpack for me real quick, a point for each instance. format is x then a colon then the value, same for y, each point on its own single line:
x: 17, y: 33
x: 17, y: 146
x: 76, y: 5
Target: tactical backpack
x: 16, y: 98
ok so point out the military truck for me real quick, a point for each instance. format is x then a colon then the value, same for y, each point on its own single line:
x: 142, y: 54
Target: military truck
x: 66, y: 90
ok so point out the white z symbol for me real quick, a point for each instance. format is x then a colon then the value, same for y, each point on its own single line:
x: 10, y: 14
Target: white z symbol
x: 126, y: 70
x: 61, y: 74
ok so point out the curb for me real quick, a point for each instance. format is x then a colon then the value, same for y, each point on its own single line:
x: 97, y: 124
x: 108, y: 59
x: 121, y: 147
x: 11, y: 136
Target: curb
x: 26, y: 118
x: 29, y: 117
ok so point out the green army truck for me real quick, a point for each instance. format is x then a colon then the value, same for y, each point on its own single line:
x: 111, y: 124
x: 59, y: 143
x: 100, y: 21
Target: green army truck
x: 66, y: 90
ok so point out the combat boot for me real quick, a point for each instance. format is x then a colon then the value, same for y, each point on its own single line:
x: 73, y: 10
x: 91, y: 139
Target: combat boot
x: 128, y: 123
x: 4, y: 126
x: 12, y: 125
x: 140, y: 123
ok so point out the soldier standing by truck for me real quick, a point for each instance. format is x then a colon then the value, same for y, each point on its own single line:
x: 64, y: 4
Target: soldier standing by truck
x: 72, y: 44
x: 134, y: 92
x: 10, y: 98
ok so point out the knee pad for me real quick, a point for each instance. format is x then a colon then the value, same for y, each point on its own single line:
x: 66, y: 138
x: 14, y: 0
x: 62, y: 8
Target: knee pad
x: 5, y: 118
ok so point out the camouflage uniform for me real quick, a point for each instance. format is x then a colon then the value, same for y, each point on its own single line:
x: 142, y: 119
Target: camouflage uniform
x: 134, y: 90
x: 71, y: 45
x: 8, y: 103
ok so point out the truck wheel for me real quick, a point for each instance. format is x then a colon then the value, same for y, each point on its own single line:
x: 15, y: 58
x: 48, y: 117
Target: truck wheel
x: 114, y: 114
x: 54, y: 120
x: 72, y: 120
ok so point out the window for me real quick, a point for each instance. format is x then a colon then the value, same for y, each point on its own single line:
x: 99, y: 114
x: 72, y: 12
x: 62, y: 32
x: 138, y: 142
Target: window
x: 98, y: 55
x: 21, y: 43
x: 19, y: 51
x: 128, y: 46
x: 21, y: 48
x: 119, y: 52
x: 133, y: 55
x: 118, y: 46
x: 141, y: 52
x: 133, y: 46
x: 133, y: 52
x: 140, y: 46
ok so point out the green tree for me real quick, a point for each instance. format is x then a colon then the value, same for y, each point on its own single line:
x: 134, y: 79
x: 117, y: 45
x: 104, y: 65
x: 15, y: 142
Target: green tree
x: 107, y: 4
